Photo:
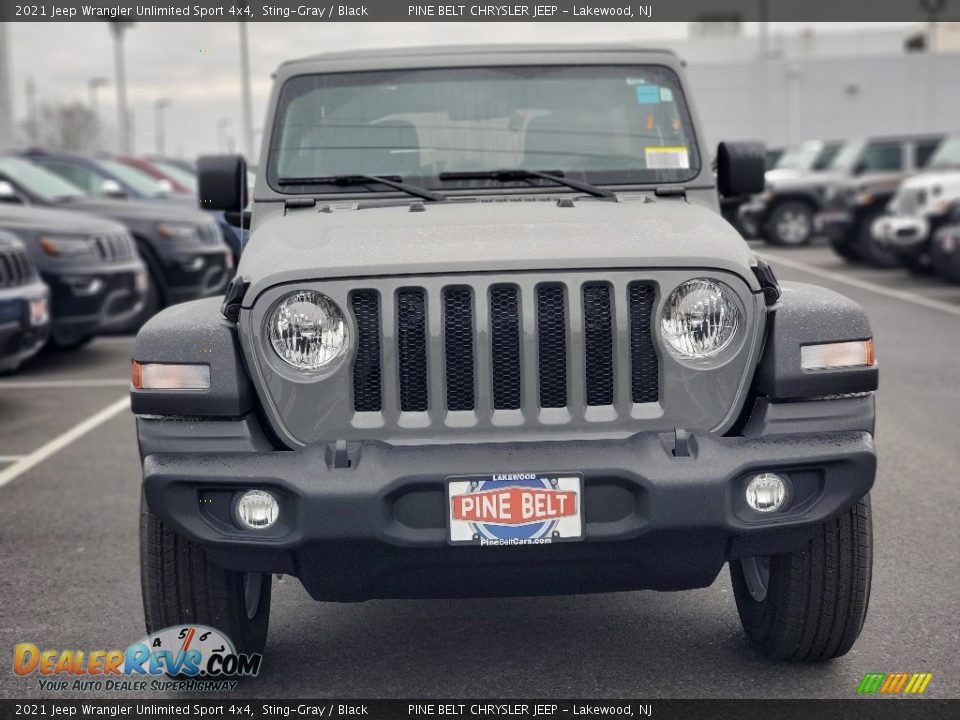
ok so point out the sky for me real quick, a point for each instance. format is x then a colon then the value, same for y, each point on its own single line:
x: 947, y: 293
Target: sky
x: 196, y: 65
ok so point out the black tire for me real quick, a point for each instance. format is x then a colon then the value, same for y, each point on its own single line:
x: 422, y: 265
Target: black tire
x: 846, y: 248
x: 180, y: 585
x: 790, y: 224
x: 918, y: 263
x: 815, y: 599
x: 873, y: 252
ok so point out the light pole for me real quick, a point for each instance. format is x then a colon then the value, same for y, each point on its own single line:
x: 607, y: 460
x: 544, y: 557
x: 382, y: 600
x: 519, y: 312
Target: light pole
x: 158, y: 107
x: 94, y: 84
x: 222, y: 125
x: 246, y: 101
x: 117, y: 29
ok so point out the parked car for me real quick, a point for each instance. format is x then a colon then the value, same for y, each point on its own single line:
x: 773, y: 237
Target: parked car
x: 945, y: 247
x: 182, y: 246
x: 97, y: 281
x: 773, y: 155
x: 922, y: 205
x: 783, y: 213
x: 446, y: 369
x: 24, y: 305
x: 106, y: 177
x: 868, y: 174
x: 166, y: 179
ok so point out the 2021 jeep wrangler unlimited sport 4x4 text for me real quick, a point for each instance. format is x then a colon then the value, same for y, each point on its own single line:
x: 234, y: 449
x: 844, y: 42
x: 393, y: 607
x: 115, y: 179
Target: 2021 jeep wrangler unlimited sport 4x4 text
x: 491, y: 336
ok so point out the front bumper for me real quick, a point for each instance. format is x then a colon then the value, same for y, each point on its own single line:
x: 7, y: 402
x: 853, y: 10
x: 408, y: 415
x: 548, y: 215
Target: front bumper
x: 377, y: 528
x: 22, y: 335
x: 86, y: 302
x: 901, y: 231
x: 197, y: 273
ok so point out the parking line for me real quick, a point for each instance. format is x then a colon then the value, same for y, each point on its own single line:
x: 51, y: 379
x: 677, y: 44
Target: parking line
x: 80, y: 383
x: 61, y: 441
x: 904, y: 295
x: 10, y: 458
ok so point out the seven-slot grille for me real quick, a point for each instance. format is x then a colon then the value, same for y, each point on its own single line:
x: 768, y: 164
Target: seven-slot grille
x: 15, y: 268
x: 114, y: 248
x: 435, y: 362
x: 909, y: 201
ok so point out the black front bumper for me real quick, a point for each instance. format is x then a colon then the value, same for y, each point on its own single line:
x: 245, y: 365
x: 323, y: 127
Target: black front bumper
x: 21, y: 336
x: 197, y: 273
x: 79, y: 313
x: 378, y: 527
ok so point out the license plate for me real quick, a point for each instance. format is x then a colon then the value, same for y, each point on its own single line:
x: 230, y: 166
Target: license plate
x: 515, y: 509
x: 39, y: 313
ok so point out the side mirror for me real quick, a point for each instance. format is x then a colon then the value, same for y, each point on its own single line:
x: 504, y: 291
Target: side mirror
x: 8, y: 193
x: 740, y: 168
x: 111, y: 188
x: 222, y: 182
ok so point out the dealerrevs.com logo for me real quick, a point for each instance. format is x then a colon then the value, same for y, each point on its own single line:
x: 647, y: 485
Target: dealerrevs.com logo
x: 183, y: 657
x: 894, y: 683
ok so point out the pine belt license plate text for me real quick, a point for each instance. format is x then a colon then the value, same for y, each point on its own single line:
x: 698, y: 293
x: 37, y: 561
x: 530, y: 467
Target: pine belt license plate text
x: 515, y: 509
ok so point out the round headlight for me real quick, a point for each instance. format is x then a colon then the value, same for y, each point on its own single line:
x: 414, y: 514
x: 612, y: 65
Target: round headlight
x: 308, y: 331
x: 700, y: 319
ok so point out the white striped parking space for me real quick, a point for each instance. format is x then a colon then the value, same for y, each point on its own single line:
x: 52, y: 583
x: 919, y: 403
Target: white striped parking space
x: 26, y: 462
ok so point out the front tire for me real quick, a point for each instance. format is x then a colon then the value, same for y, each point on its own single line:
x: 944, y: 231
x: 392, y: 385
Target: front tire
x: 790, y: 224
x: 180, y: 585
x: 809, y: 605
x: 869, y: 248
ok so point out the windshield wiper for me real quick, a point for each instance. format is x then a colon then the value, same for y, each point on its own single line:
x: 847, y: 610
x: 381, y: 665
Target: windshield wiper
x: 521, y: 174
x: 358, y: 179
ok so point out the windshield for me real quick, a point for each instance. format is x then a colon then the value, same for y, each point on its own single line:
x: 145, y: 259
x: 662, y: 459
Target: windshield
x: 808, y: 156
x: 187, y: 179
x: 602, y: 124
x: 38, y: 181
x: 143, y: 184
x: 848, y: 156
x: 947, y: 155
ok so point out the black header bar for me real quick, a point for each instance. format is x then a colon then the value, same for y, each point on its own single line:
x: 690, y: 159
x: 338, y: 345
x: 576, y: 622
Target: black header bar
x: 492, y: 11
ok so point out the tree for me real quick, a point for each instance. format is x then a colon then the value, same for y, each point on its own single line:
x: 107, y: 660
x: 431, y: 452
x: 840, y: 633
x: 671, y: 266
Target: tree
x: 67, y: 126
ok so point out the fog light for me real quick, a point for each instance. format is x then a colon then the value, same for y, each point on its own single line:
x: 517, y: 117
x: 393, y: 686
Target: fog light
x: 766, y: 493
x: 257, y: 509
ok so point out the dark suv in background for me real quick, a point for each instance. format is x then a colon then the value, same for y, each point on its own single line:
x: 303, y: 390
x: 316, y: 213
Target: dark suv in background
x: 181, y: 246
x: 24, y: 305
x: 868, y: 173
x: 97, y: 281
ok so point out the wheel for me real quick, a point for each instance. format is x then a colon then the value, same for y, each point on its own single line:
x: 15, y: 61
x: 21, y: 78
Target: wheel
x: 918, y: 262
x: 846, y: 248
x: 790, y: 224
x: 873, y: 252
x: 809, y: 605
x: 180, y: 585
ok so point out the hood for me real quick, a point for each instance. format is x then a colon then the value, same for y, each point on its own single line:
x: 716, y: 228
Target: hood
x: 499, y: 236
x: 35, y: 219
x: 947, y: 180
x: 138, y: 210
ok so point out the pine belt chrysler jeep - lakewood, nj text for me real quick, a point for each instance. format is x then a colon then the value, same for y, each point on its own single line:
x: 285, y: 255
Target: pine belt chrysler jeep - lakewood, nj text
x: 491, y: 336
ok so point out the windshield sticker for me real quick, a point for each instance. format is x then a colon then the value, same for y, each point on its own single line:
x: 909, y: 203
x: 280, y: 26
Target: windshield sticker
x: 666, y: 94
x: 648, y: 94
x: 667, y: 158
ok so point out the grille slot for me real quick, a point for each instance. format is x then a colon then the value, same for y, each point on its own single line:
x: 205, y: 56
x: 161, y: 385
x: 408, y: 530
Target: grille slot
x: 552, y: 346
x: 458, y: 333
x: 367, y: 373
x: 598, y: 344
x: 114, y: 248
x: 505, y: 346
x: 412, y: 349
x: 644, y: 366
x: 15, y: 269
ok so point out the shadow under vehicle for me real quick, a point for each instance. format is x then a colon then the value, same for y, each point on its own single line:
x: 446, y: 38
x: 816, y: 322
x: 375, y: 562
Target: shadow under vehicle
x: 491, y: 336
x: 97, y: 281
x: 181, y: 246
x: 24, y: 305
x: 783, y: 213
x: 866, y: 175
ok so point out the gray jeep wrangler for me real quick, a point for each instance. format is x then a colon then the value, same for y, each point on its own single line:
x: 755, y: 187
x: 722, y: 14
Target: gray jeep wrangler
x: 491, y: 336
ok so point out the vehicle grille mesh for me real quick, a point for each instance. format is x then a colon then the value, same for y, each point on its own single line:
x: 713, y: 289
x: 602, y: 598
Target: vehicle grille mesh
x: 504, y: 347
x: 367, y: 380
x: 458, y: 347
x: 644, y: 366
x: 412, y: 349
x: 114, y: 248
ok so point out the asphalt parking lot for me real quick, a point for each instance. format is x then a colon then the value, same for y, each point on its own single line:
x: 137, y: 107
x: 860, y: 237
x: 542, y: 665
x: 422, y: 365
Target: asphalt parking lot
x: 69, y: 494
